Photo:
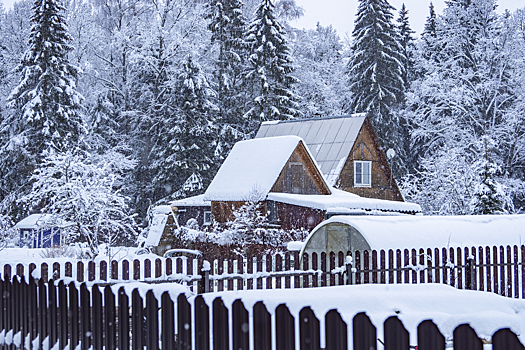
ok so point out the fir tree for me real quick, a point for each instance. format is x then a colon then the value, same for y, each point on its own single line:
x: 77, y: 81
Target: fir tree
x: 407, y: 46
x: 429, y: 33
x: 192, y: 135
x: 376, y: 69
x: 228, y: 26
x: 270, y: 69
x: 45, y: 106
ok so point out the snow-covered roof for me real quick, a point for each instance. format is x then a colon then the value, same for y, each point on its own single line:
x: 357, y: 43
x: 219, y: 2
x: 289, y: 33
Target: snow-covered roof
x: 398, y: 232
x: 158, y: 223
x: 35, y: 221
x: 195, y: 201
x: 341, y: 201
x: 329, y: 139
x: 253, y: 166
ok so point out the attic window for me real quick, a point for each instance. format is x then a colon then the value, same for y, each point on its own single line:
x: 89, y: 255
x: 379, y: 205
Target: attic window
x: 362, y: 173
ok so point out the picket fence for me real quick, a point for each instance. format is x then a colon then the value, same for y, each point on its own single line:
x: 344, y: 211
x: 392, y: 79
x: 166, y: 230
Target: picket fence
x: 39, y: 315
x: 498, y: 269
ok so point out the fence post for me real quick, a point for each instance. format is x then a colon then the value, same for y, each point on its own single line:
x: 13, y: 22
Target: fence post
x: 204, y: 286
x: 349, y: 271
x: 505, y: 339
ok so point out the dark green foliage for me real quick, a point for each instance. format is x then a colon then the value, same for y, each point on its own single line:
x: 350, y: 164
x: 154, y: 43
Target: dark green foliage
x: 406, y: 41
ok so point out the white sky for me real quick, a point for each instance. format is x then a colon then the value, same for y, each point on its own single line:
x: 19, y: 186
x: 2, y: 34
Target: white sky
x: 341, y: 13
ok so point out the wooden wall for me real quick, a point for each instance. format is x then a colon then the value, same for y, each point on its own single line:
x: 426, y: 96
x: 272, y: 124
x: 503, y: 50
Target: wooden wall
x: 367, y: 148
x: 294, y: 217
x: 184, y: 213
x: 300, y: 176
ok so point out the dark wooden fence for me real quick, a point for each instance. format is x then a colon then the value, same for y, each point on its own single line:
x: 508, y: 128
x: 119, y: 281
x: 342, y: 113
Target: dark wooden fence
x: 493, y: 269
x: 39, y: 315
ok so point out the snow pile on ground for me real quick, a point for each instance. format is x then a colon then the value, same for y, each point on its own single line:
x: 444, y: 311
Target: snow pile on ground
x: 446, y: 306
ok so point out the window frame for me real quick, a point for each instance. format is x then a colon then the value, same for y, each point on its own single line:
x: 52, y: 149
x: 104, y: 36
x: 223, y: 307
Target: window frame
x: 362, y: 184
x: 206, y: 213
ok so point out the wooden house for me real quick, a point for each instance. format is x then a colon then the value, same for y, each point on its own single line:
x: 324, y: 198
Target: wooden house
x: 281, y: 173
x: 347, y: 150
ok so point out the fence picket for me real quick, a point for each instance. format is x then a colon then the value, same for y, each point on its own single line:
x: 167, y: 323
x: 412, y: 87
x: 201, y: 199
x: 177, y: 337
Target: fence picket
x: 516, y: 273
x: 429, y: 337
x: 202, y: 324
x: 62, y: 316
x: 278, y: 268
x: 309, y: 334
x: 395, y: 334
x: 221, y: 338
x: 374, y: 266
x: 364, y: 332
x: 109, y: 319
x: 336, y: 332
x: 85, y: 319
x: 465, y: 338
x: 287, y: 267
x: 383, y: 267
x: 284, y: 326
x: 323, y: 269
x: 240, y: 326
x: 123, y: 319
x: 305, y: 268
x: 505, y: 339
x: 341, y: 262
x: 459, y: 268
x: 332, y: 267
x: 184, y: 328
x: 262, y: 327
x: 269, y: 282
x: 152, y: 322
x: 240, y: 271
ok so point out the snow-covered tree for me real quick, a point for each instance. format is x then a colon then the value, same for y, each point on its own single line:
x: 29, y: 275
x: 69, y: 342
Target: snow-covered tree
x: 406, y: 41
x: 192, y: 136
x: 320, y: 58
x: 228, y: 25
x: 45, y: 108
x: 270, y: 68
x: 429, y: 32
x: 376, y: 70
x: 84, y: 190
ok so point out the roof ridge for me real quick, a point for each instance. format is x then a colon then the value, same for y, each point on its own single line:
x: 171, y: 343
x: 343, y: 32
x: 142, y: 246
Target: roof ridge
x: 355, y: 115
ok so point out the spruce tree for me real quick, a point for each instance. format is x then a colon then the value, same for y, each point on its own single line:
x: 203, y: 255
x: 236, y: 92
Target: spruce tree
x: 407, y: 46
x: 45, y: 107
x: 376, y: 69
x: 270, y: 69
x: 228, y: 25
x: 191, y: 137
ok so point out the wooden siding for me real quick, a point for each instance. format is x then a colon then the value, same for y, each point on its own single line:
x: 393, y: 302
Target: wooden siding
x: 293, y: 217
x: 223, y: 211
x: 300, y: 175
x: 367, y: 148
x: 184, y: 213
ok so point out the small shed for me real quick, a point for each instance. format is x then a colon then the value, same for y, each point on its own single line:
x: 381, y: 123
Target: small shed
x: 40, y: 231
x: 350, y: 233
x: 160, y: 231
x: 347, y: 150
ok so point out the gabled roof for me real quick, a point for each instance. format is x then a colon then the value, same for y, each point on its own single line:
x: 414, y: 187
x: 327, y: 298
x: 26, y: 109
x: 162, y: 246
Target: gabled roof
x: 36, y: 221
x: 195, y: 201
x: 329, y: 139
x: 252, y: 167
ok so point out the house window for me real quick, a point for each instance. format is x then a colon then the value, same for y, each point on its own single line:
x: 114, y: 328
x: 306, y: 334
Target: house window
x: 362, y: 173
x: 207, y: 217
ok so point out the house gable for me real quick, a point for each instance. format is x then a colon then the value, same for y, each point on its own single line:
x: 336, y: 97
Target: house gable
x: 367, y: 149
x: 300, y: 175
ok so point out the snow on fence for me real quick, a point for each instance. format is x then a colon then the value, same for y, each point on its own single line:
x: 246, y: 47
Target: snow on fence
x: 493, y: 269
x: 39, y: 315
